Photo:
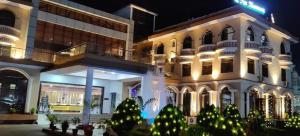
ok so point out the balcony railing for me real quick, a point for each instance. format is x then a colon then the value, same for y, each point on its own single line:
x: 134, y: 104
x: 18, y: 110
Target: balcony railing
x: 208, y: 48
x: 226, y: 54
x: 6, y: 41
x: 285, y: 59
x: 10, y: 31
x: 187, y: 53
x: 252, y: 46
x: 227, y: 45
x: 92, y: 49
x: 266, y: 50
x: 34, y: 54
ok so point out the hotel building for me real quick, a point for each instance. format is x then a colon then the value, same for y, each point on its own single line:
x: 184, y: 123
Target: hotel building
x: 233, y: 56
x: 68, y: 59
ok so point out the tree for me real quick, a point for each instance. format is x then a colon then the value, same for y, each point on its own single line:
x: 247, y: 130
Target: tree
x: 169, y: 122
x: 126, y: 116
x: 293, y: 122
x: 233, y: 121
x: 255, y: 122
x: 210, y: 119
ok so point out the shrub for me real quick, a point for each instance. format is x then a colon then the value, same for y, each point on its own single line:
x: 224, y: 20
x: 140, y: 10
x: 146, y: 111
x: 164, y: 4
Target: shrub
x: 196, y: 130
x: 169, y: 122
x: 293, y: 122
x: 233, y: 121
x: 126, y: 116
x: 210, y: 119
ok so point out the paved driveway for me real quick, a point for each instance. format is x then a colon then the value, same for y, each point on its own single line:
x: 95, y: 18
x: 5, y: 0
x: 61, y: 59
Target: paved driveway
x: 21, y: 130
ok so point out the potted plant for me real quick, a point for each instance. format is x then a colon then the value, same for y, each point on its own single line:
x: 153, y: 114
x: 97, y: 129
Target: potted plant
x: 88, y: 130
x: 12, y: 110
x: 75, y: 121
x: 32, y: 111
x: 65, y: 126
x: 53, y: 119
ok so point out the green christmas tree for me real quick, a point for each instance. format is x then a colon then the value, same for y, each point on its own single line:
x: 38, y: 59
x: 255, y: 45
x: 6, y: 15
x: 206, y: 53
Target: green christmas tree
x: 233, y: 124
x: 169, y: 122
x: 210, y: 119
x: 293, y: 122
x: 126, y: 116
x: 255, y: 122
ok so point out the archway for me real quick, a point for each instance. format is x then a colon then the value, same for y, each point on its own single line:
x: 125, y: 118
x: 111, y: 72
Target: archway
x: 186, y: 101
x: 272, y: 105
x: 172, y: 98
x: 288, y: 105
x: 225, y: 98
x: 253, y: 100
x: 13, y: 90
x: 7, y: 18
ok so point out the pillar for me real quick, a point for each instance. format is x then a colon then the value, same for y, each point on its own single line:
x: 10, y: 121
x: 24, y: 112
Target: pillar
x: 88, y: 96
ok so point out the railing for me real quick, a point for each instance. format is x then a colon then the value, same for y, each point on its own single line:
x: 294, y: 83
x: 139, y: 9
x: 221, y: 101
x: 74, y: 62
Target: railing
x: 9, y: 31
x: 187, y: 52
x: 26, y: 54
x: 252, y: 45
x: 207, y: 48
x: 85, y: 48
x: 227, y: 44
x: 285, y: 59
x: 227, y: 53
x: 266, y: 49
x: 6, y: 41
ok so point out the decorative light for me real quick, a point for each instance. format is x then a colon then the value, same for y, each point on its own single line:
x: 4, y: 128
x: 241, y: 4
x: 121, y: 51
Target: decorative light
x: 251, y: 5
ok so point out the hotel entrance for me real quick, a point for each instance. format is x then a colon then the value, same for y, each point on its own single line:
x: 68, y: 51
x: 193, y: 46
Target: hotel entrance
x: 65, y: 98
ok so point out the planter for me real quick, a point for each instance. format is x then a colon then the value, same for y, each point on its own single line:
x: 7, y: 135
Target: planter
x: 74, y: 132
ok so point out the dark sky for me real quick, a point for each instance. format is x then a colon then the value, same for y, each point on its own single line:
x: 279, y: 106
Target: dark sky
x: 286, y: 12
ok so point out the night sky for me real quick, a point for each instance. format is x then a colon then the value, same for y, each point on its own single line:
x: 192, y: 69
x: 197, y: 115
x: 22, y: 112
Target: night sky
x: 286, y: 12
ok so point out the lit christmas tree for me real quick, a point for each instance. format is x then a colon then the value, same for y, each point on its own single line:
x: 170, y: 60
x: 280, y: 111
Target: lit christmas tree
x: 293, y: 122
x: 169, y: 122
x: 210, y: 119
x: 126, y: 116
x: 233, y: 124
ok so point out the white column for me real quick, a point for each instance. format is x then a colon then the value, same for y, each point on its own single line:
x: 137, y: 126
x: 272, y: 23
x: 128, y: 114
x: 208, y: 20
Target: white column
x: 248, y: 104
x: 88, y: 96
x: 28, y: 95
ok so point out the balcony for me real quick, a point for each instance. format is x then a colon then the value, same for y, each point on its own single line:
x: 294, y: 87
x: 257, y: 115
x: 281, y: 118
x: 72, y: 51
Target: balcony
x: 185, y: 60
x: 207, y: 57
x: 266, y: 59
x: 6, y: 41
x: 207, y: 49
x: 255, y: 56
x: 10, y: 32
x: 252, y: 47
x: 226, y: 54
x: 228, y: 45
x: 266, y: 51
x: 187, y: 53
x: 285, y: 60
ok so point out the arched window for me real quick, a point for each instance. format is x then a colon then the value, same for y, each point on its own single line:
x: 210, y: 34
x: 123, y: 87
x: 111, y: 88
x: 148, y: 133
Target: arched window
x: 288, y: 105
x: 187, y: 104
x: 264, y: 40
x: 187, y: 43
x: 172, y: 97
x: 253, y: 100
x: 225, y: 98
x: 272, y: 107
x: 160, y: 49
x: 7, y: 18
x: 249, y: 34
x: 13, y: 91
x: 207, y: 38
x: 282, y: 48
x: 204, y: 98
x: 227, y: 33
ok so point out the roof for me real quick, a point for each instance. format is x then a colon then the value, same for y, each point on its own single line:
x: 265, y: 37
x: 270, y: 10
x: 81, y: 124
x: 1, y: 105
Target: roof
x: 235, y: 10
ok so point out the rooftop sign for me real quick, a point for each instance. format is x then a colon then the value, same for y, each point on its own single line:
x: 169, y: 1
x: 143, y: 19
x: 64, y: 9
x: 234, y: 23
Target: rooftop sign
x: 251, y: 5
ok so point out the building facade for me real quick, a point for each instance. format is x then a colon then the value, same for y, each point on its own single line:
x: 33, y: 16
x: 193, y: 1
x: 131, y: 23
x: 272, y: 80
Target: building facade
x: 233, y: 56
x: 68, y: 59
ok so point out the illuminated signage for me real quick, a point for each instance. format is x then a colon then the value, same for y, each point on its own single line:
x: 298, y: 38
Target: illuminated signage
x: 251, y: 5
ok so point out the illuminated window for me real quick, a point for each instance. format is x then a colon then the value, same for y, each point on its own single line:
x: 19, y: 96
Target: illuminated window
x: 225, y: 98
x: 187, y: 43
x: 283, y: 75
x: 160, y: 49
x: 186, y: 70
x: 251, y: 66
x: 227, y: 65
x: 264, y: 40
x: 207, y: 38
x: 227, y: 34
x: 204, y: 99
x: 249, y: 34
x: 253, y: 100
x: 265, y: 70
x: 206, y: 68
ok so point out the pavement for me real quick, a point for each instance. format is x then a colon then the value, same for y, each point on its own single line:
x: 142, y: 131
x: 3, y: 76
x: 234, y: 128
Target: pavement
x: 21, y: 130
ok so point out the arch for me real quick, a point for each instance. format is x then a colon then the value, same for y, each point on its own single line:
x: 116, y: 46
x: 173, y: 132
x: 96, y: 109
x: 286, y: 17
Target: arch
x: 203, y: 96
x: 7, y: 18
x: 264, y: 40
x: 257, y: 88
x: 160, y: 49
x: 227, y: 33
x: 272, y: 105
x: 14, y: 84
x: 207, y: 38
x: 187, y: 43
x: 186, y: 100
x: 173, y: 97
x: 288, y: 104
x: 225, y: 98
x: 250, y: 34
x: 282, y: 48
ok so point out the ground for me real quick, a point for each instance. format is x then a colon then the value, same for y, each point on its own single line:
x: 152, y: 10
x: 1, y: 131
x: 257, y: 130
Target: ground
x: 21, y: 130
